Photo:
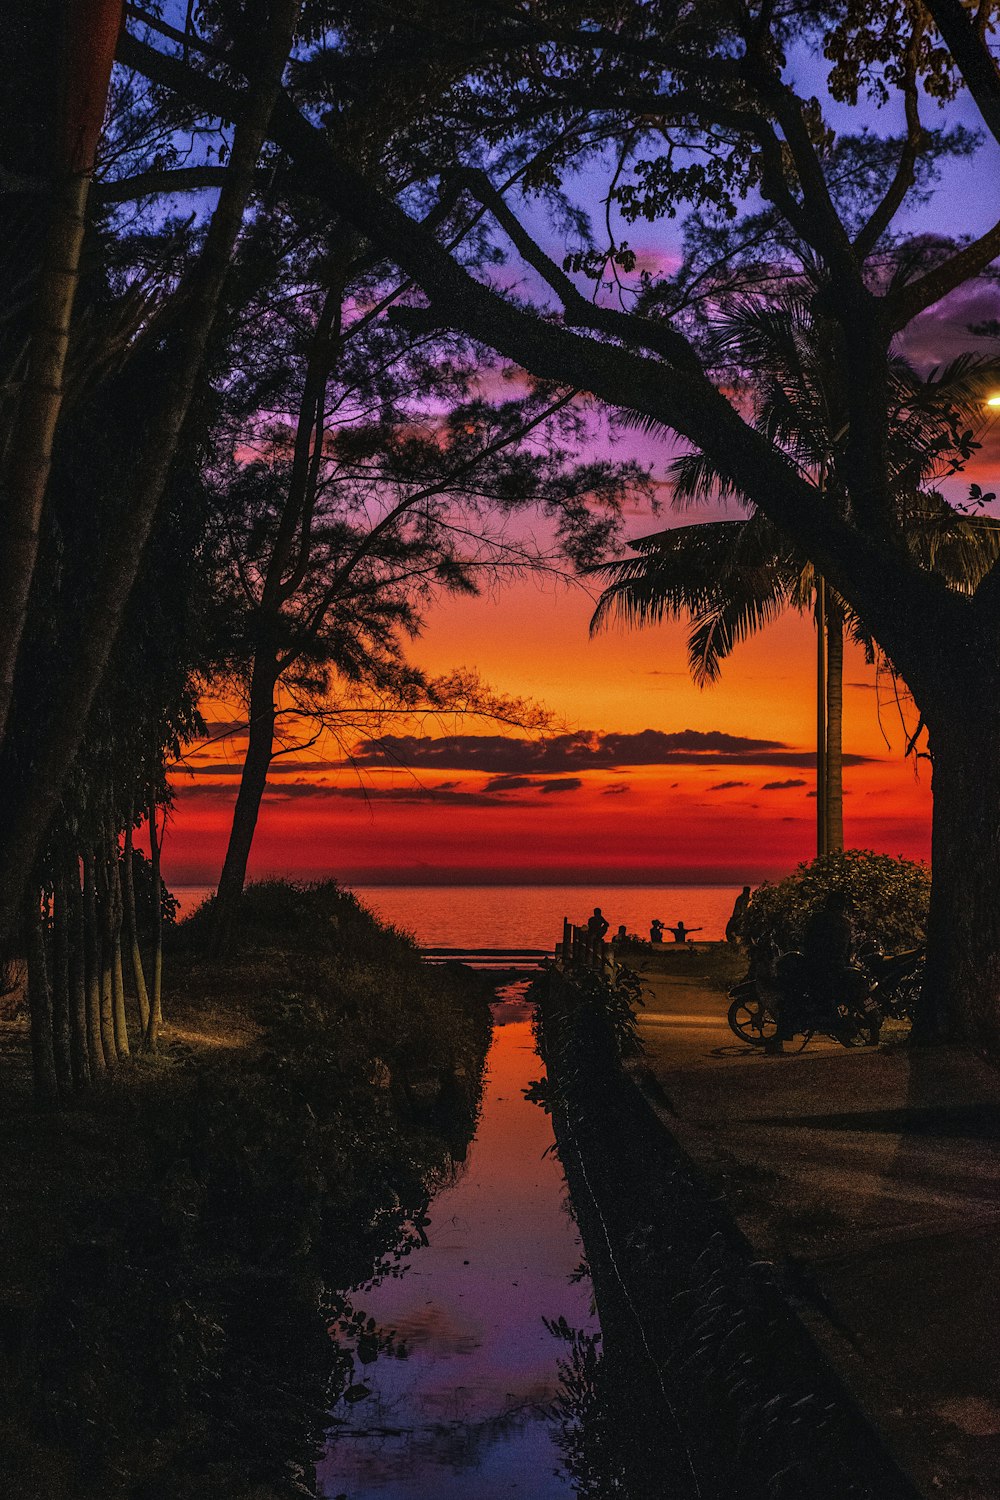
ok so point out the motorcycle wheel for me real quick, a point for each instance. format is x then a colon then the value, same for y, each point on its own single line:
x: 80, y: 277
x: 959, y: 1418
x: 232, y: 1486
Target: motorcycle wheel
x: 751, y: 1020
x: 859, y: 1028
x: 907, y: 995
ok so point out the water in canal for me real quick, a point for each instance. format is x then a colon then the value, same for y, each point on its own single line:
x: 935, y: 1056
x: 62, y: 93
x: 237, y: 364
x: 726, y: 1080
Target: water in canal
x: 468, y: 1410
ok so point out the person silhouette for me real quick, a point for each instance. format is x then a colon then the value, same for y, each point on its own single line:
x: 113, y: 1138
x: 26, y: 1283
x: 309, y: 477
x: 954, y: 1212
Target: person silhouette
x: 682, y: 933
x: 597, y: 925
x: 656, y: 930
x: 734, y: 927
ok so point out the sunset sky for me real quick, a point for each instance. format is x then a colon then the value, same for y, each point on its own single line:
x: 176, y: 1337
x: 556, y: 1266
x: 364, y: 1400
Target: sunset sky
x: 643, y: 777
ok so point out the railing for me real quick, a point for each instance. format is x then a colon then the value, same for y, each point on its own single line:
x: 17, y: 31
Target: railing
x: 580, y: 949
x: 488, y: 958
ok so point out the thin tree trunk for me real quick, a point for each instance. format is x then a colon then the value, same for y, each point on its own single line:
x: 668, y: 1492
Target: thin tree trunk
x: 43, y: 1063
x: 155, y: 1004
x: 28, y: 819
x: 822, y: 785
x: 78, y: 975
x: 105, y: 929
x: 253, y: 782
x: 61, y: 1002
x: 834, y: 724
x: 92, y: 953
x: 117, y: 979
x: 132, y: 928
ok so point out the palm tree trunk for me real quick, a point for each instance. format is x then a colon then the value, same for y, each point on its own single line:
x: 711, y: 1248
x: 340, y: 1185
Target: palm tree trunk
x: 43, y: 1063
x: 822, y: 784
x: 132, y: 928
x: 155, y: 1004
x: 834, y: 725
x: 78, y: 974
x: 253, y: 782
x: 92, y: 952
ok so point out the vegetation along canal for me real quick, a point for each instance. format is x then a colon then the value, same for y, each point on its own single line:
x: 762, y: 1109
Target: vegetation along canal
x: 478, y: 1405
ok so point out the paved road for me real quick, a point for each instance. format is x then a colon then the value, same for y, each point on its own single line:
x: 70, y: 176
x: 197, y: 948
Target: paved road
x: 875, y: 1175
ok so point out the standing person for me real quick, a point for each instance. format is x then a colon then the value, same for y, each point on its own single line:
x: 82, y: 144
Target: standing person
x: 734, y: 927
x: 656, y: 931
x: 682, y: 933
x: 597, y: 925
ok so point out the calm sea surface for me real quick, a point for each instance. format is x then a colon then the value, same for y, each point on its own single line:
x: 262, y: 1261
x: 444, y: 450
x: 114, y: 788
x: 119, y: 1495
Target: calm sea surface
x: 507, y: 916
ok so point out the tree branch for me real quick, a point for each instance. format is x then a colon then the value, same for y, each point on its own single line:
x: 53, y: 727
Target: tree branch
x: 966, y: 42
x: 906, y: 168
x: 897, y: 598
x: 148, y: 184
x: 579, y: 311
x: 916, y: 296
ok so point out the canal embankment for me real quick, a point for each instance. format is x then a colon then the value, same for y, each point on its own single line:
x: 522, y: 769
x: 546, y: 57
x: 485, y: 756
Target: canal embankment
x: 864, y: 1182
x: 752, y: 1403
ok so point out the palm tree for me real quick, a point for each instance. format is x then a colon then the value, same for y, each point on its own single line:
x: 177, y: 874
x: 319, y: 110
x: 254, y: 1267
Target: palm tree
x: 733, y: 577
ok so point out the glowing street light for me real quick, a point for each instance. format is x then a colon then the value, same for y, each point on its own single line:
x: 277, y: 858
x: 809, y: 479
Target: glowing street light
x: 993, y: 400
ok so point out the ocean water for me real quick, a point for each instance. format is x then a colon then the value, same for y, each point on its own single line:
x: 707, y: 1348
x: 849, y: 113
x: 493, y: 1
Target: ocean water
x: 530, y: 916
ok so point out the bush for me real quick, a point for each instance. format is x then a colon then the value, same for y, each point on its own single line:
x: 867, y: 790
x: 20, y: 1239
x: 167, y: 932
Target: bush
x: 889, y: 899
x: 310, y: 916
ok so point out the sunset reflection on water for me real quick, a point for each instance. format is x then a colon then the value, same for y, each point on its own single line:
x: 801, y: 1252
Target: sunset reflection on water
x: 465, y: 1413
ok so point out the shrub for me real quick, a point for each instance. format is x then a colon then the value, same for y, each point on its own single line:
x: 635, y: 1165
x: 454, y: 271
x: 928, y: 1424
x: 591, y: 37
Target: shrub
x: 888, y: 896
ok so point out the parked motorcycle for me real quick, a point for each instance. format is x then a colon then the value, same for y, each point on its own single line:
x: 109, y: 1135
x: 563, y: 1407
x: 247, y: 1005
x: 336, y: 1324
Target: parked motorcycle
x: 783, y: 984
x: 897, y: 979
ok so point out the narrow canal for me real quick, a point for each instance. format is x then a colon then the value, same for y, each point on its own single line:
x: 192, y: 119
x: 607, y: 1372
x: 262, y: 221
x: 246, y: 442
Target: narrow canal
x: 472, y: 1408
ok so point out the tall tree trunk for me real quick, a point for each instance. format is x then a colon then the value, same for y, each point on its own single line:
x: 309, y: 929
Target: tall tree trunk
x: 253, y: 782
x: 61, y: 1001
x: 43, y: 1063
x: 90, y: 33
x: 117, y: 979
x: 961, y: 997
x: 92, y: 959
x: 105, y: 926
x: 155, y: 1000
x: 78, y: 974
x: 822, y: 785
x: 31, y: 448
x: 132, y: 928
x: 834, y: 724
x: 25, y: 821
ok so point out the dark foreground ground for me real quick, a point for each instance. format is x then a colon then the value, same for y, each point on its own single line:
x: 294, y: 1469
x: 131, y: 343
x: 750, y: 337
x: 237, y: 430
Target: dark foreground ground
x: 872, y: 1180
x: 179, y: 1245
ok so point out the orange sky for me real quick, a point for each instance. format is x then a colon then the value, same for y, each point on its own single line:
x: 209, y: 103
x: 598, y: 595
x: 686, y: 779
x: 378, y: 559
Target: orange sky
x: 691, y: 817
x: 698, y: 817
